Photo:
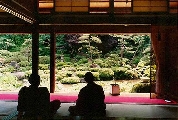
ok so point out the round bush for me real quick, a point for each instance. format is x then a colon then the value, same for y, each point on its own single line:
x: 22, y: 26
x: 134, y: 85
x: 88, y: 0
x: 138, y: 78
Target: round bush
x: 96, y: 75
x: 70, y: 80
x: 9, y: 82
x: 83, y: 61
x: 24, y: 63
x: 44, y: 59
x: 83, y: 68
x: 5, y: 53
x: 141, y: 88
x: 43, y: 66
x: 122, y: 73
x: 94, y: 69
x: 106, y: 74
x: 99, y: 62
x: 81, y: 74
x: 7, y: 69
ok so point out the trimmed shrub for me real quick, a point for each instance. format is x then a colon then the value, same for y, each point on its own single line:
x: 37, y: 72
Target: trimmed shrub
x: 67, y: 59
x: 106, y: 74
x: 44, y: 66
x: 96, y: 75
x: 141, y: 88
x: 83, y: 61
x: 5, y: 53
x: 81, y: 74
x: 122, y: 73
x: 44, y: 59
x: 94, y: 69
x: 83, y: 68
x: 24, y: 63
x: 59, y: 64
x: 69, y: 73
x: 9, y: 82
x: 70, y: 80
x: 60, y: 75
x: 99, y: 62
x: 17, y: 58
x: 28, y: 73
x: 7, y: 69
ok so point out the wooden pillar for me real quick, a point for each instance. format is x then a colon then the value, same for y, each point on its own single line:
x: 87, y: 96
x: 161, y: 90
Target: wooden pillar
x: 158, y: 43
x: 111, y: 11
x: 52, y: 61
x: 35, y: 49
x: 35, y: 39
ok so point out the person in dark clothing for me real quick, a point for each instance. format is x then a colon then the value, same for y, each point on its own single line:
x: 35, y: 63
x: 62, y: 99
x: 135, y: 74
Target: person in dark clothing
x: 90, y: 100
x: 34, y: 101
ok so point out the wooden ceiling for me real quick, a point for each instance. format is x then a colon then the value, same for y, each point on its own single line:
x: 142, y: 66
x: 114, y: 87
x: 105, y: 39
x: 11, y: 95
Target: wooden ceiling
x: 78, y: 22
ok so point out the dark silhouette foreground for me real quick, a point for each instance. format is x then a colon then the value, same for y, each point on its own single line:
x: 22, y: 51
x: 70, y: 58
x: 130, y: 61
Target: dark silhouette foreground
x: 34, y: 102
x: 90, y: 100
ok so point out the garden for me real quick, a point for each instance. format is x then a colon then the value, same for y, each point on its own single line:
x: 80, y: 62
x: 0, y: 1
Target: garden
x: 112, y: 58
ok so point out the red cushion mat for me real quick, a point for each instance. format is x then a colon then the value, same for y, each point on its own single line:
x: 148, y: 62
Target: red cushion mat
x: 108, y: 99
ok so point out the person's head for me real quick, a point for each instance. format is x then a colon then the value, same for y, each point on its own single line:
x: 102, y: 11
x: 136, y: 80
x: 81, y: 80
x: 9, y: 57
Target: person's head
x: 34, y: 79
x: 89, y: 78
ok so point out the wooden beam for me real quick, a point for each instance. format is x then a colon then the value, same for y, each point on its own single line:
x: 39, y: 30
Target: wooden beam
x: 15, y: 8
x: 96, y: 28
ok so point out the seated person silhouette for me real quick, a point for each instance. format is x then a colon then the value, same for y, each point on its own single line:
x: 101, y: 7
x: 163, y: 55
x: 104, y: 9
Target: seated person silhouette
x: 90, y: 100
x: 34, y: 101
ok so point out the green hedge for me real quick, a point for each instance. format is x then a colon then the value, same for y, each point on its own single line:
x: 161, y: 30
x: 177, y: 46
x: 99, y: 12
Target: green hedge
x: 106, y: 74
x: 122, y: 73
x: 141, y: 88
x: 70, y: 80
x: 44, y: 59
x: 44, y: 66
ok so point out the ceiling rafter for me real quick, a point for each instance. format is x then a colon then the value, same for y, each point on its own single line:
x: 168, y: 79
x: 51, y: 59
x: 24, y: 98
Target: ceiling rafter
x: 17, y: 10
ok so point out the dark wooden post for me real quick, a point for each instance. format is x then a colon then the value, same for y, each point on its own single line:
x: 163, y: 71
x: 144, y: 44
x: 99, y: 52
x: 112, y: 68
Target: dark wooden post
x: 111, y: 11
x: 35, y: 49
x: 52, y: 61
x: 35, y: 40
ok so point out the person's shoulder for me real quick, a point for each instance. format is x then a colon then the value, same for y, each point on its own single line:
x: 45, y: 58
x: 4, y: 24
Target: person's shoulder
x: 22, y: 89
x: 44, y: 89
x: 99, y: 87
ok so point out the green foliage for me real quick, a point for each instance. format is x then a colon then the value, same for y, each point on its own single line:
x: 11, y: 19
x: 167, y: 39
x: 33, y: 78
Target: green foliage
x: 83, y: 68
x: 67, y: 59
x: 141, y: 88
x: 44, y: 44
x: 61, y: 44
x: 12, y: 42
x: 99, y: 62
x: 7, y: 69
x: 96, y: 75
x: 16, y: 56
x: 5, y: 53
x: 80, y: 74
x: 122, y: 73
x: 69, y: 73
x: 82, y: 61
x: 24, y: 63
x: 44, y: 59
x: 26, y: 48
x: 89, y: 45
x: 70, y: 80
x: 26, y: 68
x: 60, y: 65
x: 106, y: 74
x: 9, y: 82
x: 43, y: 66
x: 59, y: 77
x: 94, y: 69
